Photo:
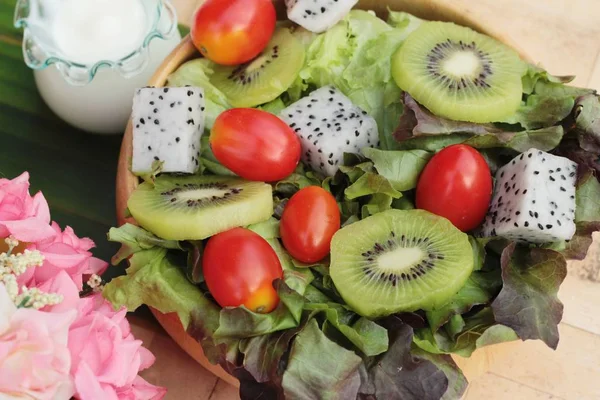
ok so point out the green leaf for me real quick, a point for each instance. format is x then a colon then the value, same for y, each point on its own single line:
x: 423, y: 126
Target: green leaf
x: 134, y: 239
x: 480, y: 288
x: 379, y: 202
x: 587, y: 124
x: 209, y: 161
x: 193, y: 266
x: 371, y: 183
x: 542, y: 111
x: 239, y: 322
x: 528, y: 302
x: 198, y: 72
x: 296, y: 181
x: 318, y: 368
x: 420, y: 129
x: 268, y: 229
x: 587, y: 198
x: 152, y: 279
x: 400, y: 168
x: 368, y: 337
x: 479, y: 252
x: 274, y: 107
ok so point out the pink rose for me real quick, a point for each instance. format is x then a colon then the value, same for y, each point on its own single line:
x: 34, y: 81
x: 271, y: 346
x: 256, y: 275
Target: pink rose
x: 106, y: 358
x: 64, y: 251
x: 22, y: 216
x: 34, y: 358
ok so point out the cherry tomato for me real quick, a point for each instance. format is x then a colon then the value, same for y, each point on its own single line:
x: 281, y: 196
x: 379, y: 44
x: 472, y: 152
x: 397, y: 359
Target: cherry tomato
x: 309, y: 221
x: 239, y: 268
x: 231, y: 32
x: 456, y: 184
x: 255, y: 144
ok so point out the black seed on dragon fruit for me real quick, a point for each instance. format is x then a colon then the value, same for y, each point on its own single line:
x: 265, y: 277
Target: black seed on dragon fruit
x: 542, y: 198
x: 168, y: 125
x: 338, y: 136
x: 318, y: 15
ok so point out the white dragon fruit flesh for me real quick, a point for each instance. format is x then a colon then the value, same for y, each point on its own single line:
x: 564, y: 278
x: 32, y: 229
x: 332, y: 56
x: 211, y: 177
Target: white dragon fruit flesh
x: 534, y: 199
x: 329, y: 125
x: 167, y: 126
x: 318, y: 15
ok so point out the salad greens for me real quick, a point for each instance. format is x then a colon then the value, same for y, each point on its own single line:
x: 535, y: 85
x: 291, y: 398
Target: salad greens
x: 312, y: 346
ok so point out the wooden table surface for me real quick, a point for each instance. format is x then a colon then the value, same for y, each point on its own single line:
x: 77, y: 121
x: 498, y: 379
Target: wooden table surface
x: 564, y: 36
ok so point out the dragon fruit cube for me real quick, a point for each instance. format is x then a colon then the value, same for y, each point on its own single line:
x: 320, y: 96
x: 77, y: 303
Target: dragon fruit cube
x: 534, y: 199
x: 318, y: 15
x: 168, y: 124
x: 329, y: 125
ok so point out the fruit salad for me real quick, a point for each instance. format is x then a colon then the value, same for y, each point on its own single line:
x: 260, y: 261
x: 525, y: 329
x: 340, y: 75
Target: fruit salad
x: 335, y: 214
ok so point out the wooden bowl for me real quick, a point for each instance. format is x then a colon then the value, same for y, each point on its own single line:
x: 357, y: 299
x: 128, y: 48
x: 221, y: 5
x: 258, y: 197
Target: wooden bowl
x: 472, y: 367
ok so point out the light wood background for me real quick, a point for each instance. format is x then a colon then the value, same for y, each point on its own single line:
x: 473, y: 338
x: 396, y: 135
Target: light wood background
x: 564, y: 36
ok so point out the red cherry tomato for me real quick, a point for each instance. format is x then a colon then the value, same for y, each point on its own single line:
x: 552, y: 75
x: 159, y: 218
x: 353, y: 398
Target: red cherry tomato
x: 456, y: 184
x: 231, y: 32
x: 239, y: 268
x: 255, y: 144
x: 309, y: 221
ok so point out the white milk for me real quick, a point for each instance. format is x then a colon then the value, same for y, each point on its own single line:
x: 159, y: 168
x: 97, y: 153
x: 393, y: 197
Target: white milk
x: 86, y: 32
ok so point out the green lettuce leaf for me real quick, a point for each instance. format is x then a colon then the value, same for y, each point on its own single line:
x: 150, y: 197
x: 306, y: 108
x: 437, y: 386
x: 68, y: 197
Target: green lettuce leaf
x: 541, y: 111
x: 528, y: 301
x: 378, y: 202
x: 318, y: 368
x: 239, y: 322
x: 134, y: 239
x: 400, y: 168
x: 480, y: 288
x: 587, y: 123
x: 368, y: 337
x: 371, y: 183
x: 197, y: 72
x: 299, y: 179
x: 274, y: 107
x: 403, y: 20
x: 472, y: 333
x: 548, y: 100
x: 209, y: 161
x: 154, y: 280
x: 420, y: 129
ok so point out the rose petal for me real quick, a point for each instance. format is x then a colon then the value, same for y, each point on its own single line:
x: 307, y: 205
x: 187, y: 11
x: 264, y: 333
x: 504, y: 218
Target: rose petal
x: 87, y: 386
x: 61, y: 284
x: 145, y: 391
x: 28, y: 230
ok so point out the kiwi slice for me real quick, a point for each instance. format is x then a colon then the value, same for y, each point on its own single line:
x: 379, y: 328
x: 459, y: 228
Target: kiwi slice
x: 195, y: 207
x: 267, y: 76
x: 458, y: 73
x: 399, y: 261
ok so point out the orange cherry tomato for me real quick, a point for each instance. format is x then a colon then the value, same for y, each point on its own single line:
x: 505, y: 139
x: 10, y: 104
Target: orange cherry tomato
x: 239, y: 268
x: 255, y: 144
x: 232, y: 32
x: 309, y: 221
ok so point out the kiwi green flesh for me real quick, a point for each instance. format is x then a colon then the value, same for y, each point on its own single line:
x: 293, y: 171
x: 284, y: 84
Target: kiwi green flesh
x: 267, y: 76
x: 399, y: 261
x: 196, y: 207
x: 458, y: 73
